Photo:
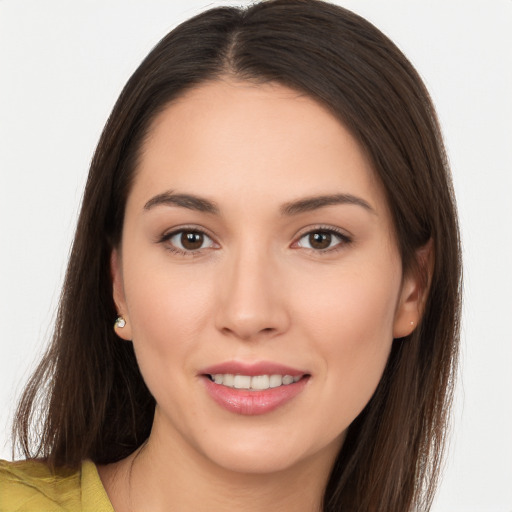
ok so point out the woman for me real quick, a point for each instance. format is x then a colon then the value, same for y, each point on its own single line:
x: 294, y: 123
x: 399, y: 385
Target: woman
x: 269, y: 222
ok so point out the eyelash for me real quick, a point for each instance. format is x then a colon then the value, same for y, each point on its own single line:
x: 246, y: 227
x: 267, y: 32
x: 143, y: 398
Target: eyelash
x: 343, y: 240
x: 166, y: 237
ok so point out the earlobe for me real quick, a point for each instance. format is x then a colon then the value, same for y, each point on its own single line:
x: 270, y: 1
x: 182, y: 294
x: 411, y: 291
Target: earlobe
x: 414, y: 293
x: 121, y: 325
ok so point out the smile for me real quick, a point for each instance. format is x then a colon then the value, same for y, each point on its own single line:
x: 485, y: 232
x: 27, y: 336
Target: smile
x: 254, y: 382
x: 253, y: 394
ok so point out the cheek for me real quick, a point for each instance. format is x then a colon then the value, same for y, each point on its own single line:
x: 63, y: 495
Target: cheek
x: 167, y: 314
x: 352, y: 323
x: 357, y: 314
x: 164, y: 300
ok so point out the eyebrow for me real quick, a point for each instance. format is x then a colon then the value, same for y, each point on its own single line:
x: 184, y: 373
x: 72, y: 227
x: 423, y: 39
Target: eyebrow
x: 189, y: 201
x: 193, y: 202
x: 315, y: 202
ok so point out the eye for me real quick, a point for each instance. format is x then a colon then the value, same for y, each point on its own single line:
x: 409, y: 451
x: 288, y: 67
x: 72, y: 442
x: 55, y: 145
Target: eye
x: 322, y: 240
x: 188, y: 240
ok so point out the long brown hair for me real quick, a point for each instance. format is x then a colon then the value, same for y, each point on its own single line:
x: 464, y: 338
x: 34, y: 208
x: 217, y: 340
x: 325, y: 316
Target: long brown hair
x: 87, y: 398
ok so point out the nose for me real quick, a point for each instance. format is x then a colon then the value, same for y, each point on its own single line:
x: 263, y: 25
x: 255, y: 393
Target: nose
x: 252, y: 300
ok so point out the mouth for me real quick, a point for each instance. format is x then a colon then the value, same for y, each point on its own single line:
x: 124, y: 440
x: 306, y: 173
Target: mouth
x: 253, y: 388
x: 254, y: 382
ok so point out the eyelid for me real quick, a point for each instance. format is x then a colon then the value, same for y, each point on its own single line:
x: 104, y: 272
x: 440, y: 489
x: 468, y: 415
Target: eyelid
x: 344, y: 237
x: 170, y: 233
x: 185, y: 227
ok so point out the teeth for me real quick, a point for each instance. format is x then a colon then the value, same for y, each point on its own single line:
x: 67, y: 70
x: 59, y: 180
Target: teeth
x: 260, y: 382
x: 287, y: 379
x: 228, y: 380
x: 257, y: 382
x: 275, y: 381
x: 242, y: 382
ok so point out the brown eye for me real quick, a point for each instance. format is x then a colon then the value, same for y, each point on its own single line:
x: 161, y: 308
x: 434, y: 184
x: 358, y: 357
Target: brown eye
x: 188, y: 241
x: 191, y: 240
x: 320, y: 240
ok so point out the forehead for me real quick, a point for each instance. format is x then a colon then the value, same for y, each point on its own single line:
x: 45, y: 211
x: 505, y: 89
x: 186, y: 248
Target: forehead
x: 227, y: 137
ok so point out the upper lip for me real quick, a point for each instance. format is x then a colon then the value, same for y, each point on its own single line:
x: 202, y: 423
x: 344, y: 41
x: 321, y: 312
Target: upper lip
x: 251, y: 369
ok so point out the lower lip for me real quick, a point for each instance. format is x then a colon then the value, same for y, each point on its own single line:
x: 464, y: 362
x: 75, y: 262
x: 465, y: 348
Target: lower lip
x: 251, y: 403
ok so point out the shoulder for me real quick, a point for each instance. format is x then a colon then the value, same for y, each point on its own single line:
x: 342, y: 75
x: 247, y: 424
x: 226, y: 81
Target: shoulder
x: 32, y: 485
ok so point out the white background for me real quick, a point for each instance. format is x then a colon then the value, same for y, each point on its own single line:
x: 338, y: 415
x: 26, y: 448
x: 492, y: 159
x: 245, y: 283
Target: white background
x: 62, y: 65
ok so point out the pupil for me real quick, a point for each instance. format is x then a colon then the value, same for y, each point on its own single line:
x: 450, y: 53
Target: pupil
x: 191, y: 240
x: 320, y: 240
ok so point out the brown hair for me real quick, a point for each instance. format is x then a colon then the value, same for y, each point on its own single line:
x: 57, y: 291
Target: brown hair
x: 94, y: 403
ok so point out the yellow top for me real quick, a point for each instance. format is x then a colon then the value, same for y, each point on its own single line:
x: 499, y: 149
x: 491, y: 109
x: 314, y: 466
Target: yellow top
x: 29, y: 486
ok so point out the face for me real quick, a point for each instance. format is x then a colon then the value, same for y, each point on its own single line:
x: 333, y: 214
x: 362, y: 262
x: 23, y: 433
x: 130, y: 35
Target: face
x: 259, y: 277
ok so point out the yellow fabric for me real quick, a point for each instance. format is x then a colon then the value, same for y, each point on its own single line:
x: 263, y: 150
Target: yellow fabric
x: 29, y: 486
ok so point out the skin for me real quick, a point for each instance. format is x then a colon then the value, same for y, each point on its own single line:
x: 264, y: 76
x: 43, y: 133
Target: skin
x: 255, y: 290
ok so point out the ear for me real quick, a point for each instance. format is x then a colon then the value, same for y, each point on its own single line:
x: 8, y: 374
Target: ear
x: 119, y: 296
x: 414, y: 293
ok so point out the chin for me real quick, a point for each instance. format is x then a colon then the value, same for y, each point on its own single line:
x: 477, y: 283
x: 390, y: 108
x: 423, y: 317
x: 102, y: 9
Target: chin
x: 266, y: 455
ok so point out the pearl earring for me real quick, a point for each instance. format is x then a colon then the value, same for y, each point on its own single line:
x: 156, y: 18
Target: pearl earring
x: 120, y: 322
